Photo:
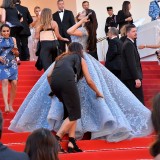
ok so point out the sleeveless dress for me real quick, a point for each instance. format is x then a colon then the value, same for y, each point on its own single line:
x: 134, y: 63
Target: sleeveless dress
x: 117, y: 116
x: 8, y: 70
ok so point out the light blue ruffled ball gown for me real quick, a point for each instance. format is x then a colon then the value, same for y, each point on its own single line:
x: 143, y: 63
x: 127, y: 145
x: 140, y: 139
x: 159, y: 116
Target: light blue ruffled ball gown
x: 116, y: 117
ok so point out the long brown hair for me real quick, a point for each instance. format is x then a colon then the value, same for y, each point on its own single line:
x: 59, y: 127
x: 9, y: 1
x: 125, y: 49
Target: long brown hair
x: 46, y: 18
x: 125, y: 8
x: 91, y: 27
x: 155, y: 148
x: 73, y: 48
x: 42, y: 145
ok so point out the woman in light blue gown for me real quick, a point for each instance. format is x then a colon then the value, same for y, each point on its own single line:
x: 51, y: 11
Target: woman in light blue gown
x: 116, y: 117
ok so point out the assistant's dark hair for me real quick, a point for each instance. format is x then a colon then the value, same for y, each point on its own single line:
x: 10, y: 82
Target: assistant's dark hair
x: 125, y: 8
x: 91, y: 27
x: 1, y: 124
x: 73, y: 48
x: 8, y: 4
x: 155, y: 148
x: 129, y: 27
x: 42, y: 145
x: 4, y: 25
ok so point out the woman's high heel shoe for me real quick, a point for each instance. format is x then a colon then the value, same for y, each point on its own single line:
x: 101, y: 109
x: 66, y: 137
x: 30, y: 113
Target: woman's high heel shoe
x: 7, y: 109
x: 11, y: 109
x: 60, y: 150
x: 75, y: 147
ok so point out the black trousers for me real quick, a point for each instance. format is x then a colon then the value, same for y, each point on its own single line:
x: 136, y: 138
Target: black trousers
x: 117, y: 73
x: 138, y: 92
x: 22, y: 43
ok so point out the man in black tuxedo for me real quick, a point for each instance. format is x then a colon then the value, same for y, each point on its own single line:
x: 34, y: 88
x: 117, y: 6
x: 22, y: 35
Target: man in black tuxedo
x: 25, y: 33
x: 113, y: 56
x: 111, y: 20
x: 65, y: 20
x: 131, y: 71
x: 5, y: 152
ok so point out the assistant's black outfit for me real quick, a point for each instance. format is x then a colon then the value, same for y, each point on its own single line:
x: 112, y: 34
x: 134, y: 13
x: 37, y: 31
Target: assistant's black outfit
x: 48, y: 51
x: 110, y: 22
x: 8, y: 154
x: 121, y: 19
x: 113, y: 56
x: 131, y: 68
x: 67, y: 22
x: 25, y: 33
x: 66, y: 73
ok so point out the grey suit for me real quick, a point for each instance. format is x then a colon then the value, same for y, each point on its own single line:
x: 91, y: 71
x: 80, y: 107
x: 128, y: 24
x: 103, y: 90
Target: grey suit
x: 8, y: 154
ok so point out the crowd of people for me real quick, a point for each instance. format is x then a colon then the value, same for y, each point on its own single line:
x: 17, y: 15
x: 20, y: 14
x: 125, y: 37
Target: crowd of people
x: 76, y: 94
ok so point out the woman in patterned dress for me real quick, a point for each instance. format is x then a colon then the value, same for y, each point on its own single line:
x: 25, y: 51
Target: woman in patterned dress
x: 8, y: 66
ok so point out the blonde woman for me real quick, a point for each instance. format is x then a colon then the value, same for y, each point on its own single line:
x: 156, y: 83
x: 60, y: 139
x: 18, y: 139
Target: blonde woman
x: 48, y: 32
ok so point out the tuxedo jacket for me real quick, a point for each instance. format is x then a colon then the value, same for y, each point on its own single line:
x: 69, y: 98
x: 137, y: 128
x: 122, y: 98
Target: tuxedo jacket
x: 27, y: 19
x: 131, y: 67
x: 110, y: 22
x: 113, y: 56
x: 67, y: 22
x: 8, y: 154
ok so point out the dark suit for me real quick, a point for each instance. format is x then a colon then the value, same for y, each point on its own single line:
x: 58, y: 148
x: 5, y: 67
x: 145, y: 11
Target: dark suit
x: 121, y: 19
x: 131, y: 68
x: 113, y: 57
x: 110, y: 22
x: 25, y: 33
x: 67, y: 22
x: 8, y: 154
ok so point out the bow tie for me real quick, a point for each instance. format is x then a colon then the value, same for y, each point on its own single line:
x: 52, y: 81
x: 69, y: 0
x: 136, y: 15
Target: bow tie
x: 60, y: 11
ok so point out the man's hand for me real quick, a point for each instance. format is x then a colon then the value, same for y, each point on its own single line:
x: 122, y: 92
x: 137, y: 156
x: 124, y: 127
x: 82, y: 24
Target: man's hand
x: 138, y: 83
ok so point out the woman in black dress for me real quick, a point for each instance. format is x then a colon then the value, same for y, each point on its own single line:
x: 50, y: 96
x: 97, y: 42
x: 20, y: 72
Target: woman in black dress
x: 69, y: 68
x: 124, y: 16
x: 48, y: 33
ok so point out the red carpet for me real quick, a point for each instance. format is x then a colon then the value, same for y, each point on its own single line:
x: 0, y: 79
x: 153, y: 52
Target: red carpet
x: 93, y: 149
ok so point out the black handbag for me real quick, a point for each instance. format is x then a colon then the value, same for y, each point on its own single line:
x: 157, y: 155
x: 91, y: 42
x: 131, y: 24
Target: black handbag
x: 59, y: 51
x: 38, y: 49
x: 39, y: 64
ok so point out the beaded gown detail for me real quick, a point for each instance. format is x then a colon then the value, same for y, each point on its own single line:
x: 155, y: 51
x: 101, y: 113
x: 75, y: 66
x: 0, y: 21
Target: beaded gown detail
x: 116, y: 117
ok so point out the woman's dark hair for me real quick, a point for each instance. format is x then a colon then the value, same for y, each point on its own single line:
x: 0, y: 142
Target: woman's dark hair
x: 8, y: 4
x: 91, y: 27
x: 125, y: 8
x: 73, y: 48
x: 42, y: 145
x: 155, y: 148
x: 4, y: 25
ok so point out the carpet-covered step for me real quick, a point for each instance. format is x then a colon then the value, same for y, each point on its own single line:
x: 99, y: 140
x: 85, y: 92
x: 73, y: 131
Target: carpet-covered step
x: 109, y: 155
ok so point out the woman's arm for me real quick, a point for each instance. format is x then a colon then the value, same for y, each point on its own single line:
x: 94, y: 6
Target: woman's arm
x: 37, y: 32
x: 15, y: 49
x: 3, y: 18
x: 50, y: 74
x: 74, y: 29
x: 54, y: 25
x: 89, y: 79
x: 149, y: 46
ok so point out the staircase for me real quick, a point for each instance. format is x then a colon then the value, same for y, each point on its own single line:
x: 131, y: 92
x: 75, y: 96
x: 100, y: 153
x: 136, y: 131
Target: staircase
x: 93, y: 149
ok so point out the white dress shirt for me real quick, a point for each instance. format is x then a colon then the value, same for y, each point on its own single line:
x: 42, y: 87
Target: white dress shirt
x: 61, y: 14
